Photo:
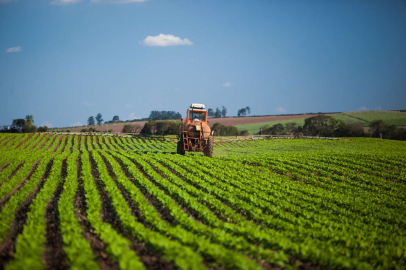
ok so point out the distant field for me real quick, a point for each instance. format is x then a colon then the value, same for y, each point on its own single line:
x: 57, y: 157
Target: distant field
x: 391, y: 117
x: 395, y: 118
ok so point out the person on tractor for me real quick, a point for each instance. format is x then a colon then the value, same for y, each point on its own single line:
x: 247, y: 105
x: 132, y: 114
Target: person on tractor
x: 196, y: 119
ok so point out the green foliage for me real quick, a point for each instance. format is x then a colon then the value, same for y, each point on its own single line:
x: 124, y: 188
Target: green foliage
x: 165, y: 115
x: 90, y: 121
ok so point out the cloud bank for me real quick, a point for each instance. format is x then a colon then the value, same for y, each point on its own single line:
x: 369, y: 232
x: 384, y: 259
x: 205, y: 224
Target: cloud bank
x: 163, y: 40
x: 14, y: 49
x: 280, y: 109
x: 132, y: 116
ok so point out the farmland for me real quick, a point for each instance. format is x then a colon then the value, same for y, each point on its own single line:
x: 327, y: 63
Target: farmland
x: 95, y: 202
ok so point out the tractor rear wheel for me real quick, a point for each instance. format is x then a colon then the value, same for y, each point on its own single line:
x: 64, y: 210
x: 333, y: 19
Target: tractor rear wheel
x: 181, y: 148
x: 208, y: 151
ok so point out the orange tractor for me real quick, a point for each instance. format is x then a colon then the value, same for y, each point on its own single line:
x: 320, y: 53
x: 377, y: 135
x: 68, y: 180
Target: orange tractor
x: 195, y: 134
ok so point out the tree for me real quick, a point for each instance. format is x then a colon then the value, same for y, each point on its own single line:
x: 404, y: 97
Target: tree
x: 127, y: 129
x: 323, y: 125
x: 18, y: 125
x: 217, y: 114
x: 90, y: 121
x: 99, y: 119
x: 210, y: 112
x: 242, y: 112
x: 29, y: 127
x: 116, y: 119
x: 224, y: 112
x: 29, y: 118
x: 43, y: 129
x: 248, y: 109
x: 379, y: 127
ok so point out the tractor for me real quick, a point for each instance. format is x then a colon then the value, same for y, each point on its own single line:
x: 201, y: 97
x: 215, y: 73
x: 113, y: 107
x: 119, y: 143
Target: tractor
x: 194, y: 133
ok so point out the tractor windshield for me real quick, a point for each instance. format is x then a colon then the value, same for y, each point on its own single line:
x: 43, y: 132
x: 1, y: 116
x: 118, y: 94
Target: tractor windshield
x: 193, y: 115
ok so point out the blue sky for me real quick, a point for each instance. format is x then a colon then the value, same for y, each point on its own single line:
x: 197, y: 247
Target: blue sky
x: 65, y: 60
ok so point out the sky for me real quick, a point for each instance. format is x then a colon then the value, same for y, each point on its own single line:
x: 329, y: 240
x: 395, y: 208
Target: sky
x: 65, y: 60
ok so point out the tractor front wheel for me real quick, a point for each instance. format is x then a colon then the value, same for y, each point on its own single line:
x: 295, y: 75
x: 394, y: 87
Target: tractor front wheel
x: 181, y: 148
x: 208, y: 151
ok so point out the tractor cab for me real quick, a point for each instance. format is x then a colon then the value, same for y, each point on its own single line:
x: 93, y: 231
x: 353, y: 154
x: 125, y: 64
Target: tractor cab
x: 195, y: 133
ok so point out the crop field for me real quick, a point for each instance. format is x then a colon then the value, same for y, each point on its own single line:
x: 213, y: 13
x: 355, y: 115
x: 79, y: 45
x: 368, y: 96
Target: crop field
x: 95, y: 202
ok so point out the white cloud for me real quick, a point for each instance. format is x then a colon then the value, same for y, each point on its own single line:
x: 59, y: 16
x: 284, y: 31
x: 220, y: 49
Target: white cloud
x: 65, y: 2
x: 87, y: 104
x: 14, y: 49
x: 162, y: 40
x: 227, y: 84
x: 77, y: 124
x: 280, y: 109
x: 132, y: 116
x: 128, y: 105
x: 46, y: 124
x: 363, y: 108
x: 7, y: 1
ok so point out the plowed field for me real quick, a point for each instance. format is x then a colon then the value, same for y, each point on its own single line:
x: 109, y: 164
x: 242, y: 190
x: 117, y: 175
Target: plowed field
x: 90, y: 202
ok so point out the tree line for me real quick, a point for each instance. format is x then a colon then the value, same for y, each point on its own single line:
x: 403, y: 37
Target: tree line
x: 328, y: 126
x: 23, y: 125
x: 223, y: 112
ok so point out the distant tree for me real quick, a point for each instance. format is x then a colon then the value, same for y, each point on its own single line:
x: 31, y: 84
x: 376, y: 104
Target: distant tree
x: 29, y: 118
x: 379, y: 127
x: 221, y: 130
x: 242, y: 112
x: 290, y: 128
x: 116, y: 119
x: 165, y: 115
x: 217, y: 114
x: 43, y: 129
x: 90, y: 121
x: 84, y: 130
x: 224, y: 112
x: 18, y: 125
x: 248, y: 109
x: 127, y: 129
x: 29, y: 127
x: 99, y: 119
x: 323, y: 125
x: 243, y: 132
x: 210, y: 112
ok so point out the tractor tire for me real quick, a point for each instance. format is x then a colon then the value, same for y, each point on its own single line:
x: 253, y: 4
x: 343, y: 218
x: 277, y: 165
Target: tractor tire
x: 180, y: 148
x: 208, y: 151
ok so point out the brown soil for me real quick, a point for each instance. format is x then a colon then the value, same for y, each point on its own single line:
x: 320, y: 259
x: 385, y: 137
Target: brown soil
x: 21, y: 143
x: 7, y: 197
x: 4, y: 166
x: 85, y: 141
x: 40, y: 139
x: 52, y: 142
x: 65, y: 143
x: 8, y: 245
x: 4, y: 139
x: 59, y: 142
x: 104, y: 142
x: 13, y: 173
x: 79, y: 139
x: 54, y: 255
x: 47, y: 139
x: 163, y: 212
x: 97, y: 245
x: 109, y: 215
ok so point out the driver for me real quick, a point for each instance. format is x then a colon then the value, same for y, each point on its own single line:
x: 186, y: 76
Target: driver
x: 196, y: 119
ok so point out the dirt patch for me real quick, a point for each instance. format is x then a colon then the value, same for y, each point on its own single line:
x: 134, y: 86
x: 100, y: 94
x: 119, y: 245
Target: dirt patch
x: 59, y: 142
x: 8, y: 245
x: 96, y: 244
x: 4, y: 166
x: 65, y: 143
x: 13, y: 173
x: 7, y: 197
x: 21, y: 143
x: 54, y: 254
x: 109, y: 215
x: 53, y: 141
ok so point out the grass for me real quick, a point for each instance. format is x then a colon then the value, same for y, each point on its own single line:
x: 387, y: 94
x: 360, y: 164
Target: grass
x: 364, y: 117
